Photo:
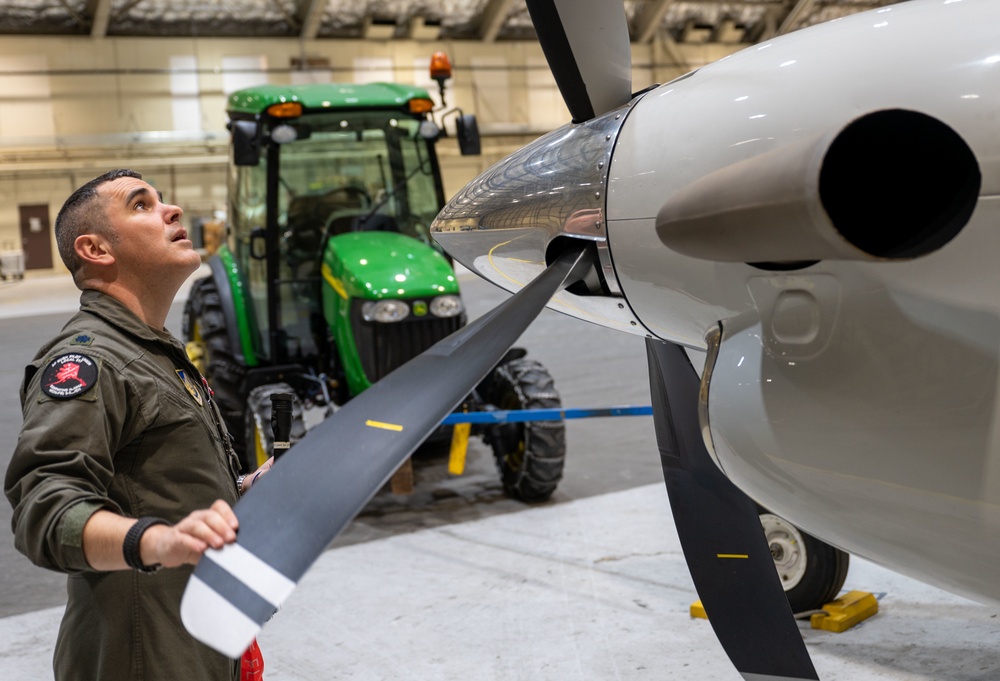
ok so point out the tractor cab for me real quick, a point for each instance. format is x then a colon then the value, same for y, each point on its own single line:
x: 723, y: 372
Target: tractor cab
x: 311, y: 169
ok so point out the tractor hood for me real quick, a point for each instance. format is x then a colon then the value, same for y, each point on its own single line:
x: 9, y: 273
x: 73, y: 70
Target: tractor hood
x: 376, y: 265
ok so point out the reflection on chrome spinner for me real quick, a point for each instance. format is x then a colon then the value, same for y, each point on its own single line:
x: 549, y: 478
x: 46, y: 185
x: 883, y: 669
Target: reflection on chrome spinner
x: 713, y: 338
x: 556, y: 185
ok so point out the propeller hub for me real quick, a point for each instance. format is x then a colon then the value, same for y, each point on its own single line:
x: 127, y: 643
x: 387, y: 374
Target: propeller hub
x: 553, y: 188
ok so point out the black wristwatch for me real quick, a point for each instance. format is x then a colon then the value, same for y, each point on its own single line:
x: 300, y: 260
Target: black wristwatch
x: 130, y: 547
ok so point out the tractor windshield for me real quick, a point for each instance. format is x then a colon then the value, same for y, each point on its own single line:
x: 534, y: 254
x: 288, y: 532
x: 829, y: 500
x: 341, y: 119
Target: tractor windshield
x: 358, y: 172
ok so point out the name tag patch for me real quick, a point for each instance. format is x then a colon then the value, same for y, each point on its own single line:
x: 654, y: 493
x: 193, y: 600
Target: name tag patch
x: 69, y: 376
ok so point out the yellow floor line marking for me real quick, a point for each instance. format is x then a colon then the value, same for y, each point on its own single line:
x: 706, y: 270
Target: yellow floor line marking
x: 384, y: 426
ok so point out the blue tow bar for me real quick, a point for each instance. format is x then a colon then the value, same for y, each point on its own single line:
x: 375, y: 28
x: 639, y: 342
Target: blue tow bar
x: 462, y: 423
x: 516, y: 415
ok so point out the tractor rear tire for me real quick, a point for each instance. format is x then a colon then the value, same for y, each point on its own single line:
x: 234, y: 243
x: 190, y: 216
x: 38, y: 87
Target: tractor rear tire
x: 530, y: 455
x: 205, y: 323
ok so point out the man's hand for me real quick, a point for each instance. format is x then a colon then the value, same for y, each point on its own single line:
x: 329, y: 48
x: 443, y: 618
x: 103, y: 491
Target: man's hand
x: 166, y: 545
x: 249, y: 480
x: 183, y: 543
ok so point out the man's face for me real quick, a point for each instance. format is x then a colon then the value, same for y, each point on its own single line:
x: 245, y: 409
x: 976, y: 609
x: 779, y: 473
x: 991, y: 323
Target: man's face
x: 149, y: 235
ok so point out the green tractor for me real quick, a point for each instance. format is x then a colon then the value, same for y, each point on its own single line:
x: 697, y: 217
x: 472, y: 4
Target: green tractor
x: 329, y: 279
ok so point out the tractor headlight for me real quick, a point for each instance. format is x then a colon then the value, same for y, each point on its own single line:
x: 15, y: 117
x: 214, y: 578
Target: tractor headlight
x: 447, y: 306
x: 385, y: 311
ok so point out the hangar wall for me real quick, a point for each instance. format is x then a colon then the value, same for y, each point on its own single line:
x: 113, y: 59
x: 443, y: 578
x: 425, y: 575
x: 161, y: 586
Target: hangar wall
x: 73, y: 107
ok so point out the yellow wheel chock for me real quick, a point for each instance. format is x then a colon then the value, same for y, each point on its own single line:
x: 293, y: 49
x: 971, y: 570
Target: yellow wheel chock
x: 840, y: 615
x: 837, y: 616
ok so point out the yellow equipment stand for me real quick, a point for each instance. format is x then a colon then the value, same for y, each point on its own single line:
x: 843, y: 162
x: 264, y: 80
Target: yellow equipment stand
x: 459, y: 448
x: 837, y: 616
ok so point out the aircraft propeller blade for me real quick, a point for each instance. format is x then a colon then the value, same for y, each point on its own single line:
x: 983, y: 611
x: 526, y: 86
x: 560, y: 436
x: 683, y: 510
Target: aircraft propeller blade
x: 586, y: 43
x: 721, y: 534
x: 293, y: 513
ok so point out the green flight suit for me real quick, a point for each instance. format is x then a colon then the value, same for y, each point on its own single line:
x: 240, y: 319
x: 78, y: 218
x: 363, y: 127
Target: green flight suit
x: 116, y: 417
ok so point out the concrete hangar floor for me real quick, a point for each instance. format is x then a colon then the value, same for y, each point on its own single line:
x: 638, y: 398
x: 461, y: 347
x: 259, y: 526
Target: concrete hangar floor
x: 458, y: 582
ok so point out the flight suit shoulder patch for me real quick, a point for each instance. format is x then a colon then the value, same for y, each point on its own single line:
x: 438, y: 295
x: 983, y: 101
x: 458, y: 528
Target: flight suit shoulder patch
x: 69, y: 375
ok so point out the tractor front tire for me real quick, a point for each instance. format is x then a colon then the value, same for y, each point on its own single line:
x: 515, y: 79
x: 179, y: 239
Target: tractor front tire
x: 530, y: 455
x: 205, y: 325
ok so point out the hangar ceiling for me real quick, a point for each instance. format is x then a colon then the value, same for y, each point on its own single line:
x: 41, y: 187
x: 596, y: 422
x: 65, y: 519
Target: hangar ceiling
x: 685, y: 21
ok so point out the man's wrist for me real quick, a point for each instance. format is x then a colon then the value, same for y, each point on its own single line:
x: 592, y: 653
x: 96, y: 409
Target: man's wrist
x: 131, y: 547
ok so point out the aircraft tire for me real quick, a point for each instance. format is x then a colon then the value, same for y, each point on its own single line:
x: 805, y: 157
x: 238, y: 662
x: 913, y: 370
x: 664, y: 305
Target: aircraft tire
x: 529, y: 455
x: 812, y: 572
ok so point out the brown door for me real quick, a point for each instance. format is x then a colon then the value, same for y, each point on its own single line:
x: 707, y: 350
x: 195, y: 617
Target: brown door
x: 36, y: 237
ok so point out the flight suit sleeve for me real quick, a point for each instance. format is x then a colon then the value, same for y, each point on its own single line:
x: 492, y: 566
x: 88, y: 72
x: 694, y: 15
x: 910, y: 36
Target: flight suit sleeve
x: 63, y: 463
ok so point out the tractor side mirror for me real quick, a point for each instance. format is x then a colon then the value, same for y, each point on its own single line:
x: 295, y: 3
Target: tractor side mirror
x: 467, y: 132
x: 246, y: 143
x: 258, y: 243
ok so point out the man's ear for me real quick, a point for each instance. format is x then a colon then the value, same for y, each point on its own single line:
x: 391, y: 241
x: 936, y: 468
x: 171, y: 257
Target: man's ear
x: 93, y: 249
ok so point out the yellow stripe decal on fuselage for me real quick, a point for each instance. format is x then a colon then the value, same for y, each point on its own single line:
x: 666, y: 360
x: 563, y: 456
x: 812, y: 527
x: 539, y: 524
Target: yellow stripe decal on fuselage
x: 731, y: 555
x: 384, y: 426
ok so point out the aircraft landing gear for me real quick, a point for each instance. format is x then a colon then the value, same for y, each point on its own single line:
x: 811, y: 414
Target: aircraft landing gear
x: 811, y: 571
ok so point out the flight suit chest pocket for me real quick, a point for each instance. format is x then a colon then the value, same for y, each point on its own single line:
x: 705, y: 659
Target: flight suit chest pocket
x: 192, y: 424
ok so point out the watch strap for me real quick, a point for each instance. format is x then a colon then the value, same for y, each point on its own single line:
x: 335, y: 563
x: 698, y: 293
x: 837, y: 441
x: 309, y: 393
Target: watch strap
x: 130, y: 547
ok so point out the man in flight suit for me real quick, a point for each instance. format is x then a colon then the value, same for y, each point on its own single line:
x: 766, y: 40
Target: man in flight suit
x: 123, y: 464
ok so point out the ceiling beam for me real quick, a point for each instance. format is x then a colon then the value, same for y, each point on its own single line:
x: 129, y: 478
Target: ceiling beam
x: 672, y: 51
x: 802, y: 9
x: 310, y: 14
x: 492, y: 19
x: 124, y: 9
x: 99, y: 12
x: 649, y: 20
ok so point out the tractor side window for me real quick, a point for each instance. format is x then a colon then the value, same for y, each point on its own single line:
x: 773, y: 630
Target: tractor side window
x: 248, y: 216
x: 421, y: 196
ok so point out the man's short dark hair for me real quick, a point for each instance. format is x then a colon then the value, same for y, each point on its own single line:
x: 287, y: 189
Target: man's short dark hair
x: 82, y: 214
